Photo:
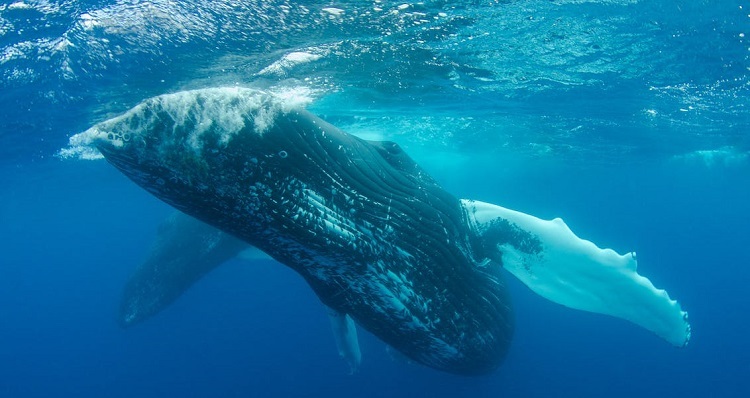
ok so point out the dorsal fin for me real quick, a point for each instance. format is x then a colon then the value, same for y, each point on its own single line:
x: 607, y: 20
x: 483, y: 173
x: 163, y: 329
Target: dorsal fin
x: 392, y: 153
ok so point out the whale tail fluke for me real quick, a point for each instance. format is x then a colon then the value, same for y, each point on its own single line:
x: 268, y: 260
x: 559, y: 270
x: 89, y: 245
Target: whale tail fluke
x: 558, y: 265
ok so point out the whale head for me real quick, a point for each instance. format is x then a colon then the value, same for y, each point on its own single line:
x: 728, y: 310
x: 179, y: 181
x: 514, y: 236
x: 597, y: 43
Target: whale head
x: 175, y: 143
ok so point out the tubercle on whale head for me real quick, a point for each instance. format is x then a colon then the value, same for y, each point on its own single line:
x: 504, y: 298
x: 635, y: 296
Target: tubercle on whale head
x: 223, y: 111
x: 224, y: 152
x: 185, y: 135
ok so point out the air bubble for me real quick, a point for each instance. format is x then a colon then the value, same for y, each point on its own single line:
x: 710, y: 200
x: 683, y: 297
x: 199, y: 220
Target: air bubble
x: 283, y: 154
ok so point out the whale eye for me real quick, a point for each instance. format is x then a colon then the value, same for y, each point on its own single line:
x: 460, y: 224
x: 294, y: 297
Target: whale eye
x: 110, y: 136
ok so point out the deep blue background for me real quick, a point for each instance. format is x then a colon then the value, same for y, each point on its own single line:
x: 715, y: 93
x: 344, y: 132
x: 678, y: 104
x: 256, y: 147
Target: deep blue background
x: 627, y: 119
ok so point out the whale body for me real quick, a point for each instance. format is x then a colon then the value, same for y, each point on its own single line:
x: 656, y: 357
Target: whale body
x: 376, y: 238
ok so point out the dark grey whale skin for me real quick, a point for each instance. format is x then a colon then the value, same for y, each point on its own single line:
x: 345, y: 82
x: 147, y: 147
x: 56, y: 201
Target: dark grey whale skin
x: 372, y: 234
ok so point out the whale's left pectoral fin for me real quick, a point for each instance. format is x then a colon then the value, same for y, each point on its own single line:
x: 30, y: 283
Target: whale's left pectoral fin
x: 184, y: 251
x: 556, y: 264
x: 345, y: 333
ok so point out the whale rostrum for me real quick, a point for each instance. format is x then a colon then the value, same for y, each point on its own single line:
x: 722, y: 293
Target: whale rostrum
x: 376, y: 238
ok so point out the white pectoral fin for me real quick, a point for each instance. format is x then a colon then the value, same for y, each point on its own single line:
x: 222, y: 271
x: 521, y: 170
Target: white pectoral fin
x: 556, y: 264
x: 345, y: 333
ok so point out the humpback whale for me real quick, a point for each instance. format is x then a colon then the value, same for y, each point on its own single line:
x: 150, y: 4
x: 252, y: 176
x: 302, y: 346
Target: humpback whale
x: 376, y: 238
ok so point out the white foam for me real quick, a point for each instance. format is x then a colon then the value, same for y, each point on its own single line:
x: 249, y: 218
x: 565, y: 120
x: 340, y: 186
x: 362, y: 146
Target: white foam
x: 81, y: 145
x: 336, y: 12
x: 726, y: 156
x: 88, y: 22
x: 80, y: 152
x: 289, y: 61
x: 222, y: 110
x: 19, y: 5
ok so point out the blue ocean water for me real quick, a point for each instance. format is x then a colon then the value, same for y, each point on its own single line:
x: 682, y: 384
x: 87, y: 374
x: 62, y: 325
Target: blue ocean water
x: 629, y: 119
